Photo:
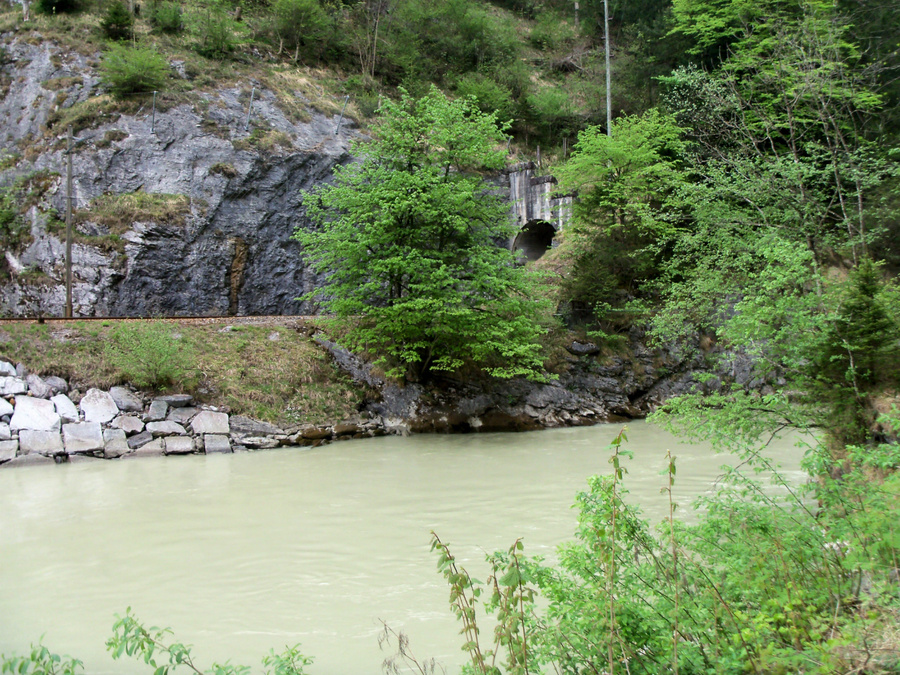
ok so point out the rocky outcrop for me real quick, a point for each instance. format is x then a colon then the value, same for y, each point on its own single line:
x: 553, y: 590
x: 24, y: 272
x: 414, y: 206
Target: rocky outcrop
x: 589, y: 390
x: 230, y: 252
x: 123, y: 423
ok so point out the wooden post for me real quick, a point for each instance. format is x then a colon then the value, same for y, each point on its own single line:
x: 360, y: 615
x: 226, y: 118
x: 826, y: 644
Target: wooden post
x: 69, y: 225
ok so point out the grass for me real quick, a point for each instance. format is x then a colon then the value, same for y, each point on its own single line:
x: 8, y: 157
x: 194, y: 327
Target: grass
x: 271, y: 373
x: 119, y: 212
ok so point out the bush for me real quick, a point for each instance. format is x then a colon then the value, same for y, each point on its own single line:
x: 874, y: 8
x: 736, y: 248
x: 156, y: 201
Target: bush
x: 166, y: 17
x: 491, y: 96
x: 130, y: 70
x: 149, y: 354
x: 117, y: 22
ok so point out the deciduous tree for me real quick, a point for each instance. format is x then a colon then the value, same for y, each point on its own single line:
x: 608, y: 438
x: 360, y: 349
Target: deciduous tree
x: 410, y: 238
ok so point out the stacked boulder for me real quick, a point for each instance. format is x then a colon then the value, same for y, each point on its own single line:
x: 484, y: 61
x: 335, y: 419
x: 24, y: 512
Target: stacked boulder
x: 42, y: 421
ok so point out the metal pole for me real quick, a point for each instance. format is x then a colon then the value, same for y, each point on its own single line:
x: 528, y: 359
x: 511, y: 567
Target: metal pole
x: 153, y: 118
x: 608, y: 78
x: 69, y: 225
x: 341, y: 118
x: 250, y: 108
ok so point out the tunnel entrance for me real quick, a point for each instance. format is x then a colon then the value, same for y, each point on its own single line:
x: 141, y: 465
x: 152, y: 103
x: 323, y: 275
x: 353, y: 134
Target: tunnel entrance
x: 534, y: 240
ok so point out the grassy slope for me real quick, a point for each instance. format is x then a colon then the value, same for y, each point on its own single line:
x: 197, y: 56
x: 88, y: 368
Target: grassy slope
x: 269, y: 372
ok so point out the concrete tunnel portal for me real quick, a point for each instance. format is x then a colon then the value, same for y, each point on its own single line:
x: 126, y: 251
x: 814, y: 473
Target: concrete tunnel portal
x: 538, y: 208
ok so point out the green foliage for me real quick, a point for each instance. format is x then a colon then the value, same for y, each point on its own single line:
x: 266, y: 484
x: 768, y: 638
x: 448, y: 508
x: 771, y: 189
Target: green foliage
x: 40, y: 661
x: 117, y: 22
x: 408, y: 238
x: 218, y: 34
x: 510, y: 599
x: 628, y: 186
x: 166, y: 17
x: 150, y: 354
x: 153, y: 646
x: 490, y: 95
x: 302, y: 26
x: 760, y: 583
x: 131, y: 70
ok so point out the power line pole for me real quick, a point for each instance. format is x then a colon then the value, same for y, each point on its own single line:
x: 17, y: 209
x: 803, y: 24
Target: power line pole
x: 608, y: 78
x: 69, y: 225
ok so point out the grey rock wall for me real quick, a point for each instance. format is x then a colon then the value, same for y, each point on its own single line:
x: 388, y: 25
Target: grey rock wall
x: 234, y: 253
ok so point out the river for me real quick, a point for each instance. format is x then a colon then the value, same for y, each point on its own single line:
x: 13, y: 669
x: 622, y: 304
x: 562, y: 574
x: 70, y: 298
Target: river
x: 242, y: 553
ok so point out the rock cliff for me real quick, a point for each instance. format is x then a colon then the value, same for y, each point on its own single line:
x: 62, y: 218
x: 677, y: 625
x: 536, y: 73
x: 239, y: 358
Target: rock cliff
x: 229, y: 252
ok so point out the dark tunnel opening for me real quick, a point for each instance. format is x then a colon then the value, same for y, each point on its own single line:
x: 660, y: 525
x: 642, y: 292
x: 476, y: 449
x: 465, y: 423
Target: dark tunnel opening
x: 534, y: 240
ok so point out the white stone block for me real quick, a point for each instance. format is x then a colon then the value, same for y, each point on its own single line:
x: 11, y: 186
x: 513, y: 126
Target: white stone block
x: 35, y: 414
x: 98, y: 406
x: 210, y: 423
x: 65, y: 408
x: 83, y: 437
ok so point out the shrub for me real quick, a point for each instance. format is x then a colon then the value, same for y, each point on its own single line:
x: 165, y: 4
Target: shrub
x: 117, y: 22
x: 130, y: 70
x: 166, y: 17
x: 149, y: 354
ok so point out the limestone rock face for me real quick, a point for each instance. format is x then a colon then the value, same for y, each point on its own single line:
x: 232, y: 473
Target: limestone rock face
x: 140, y: 440
x: 5, y: 433
x: 5, y: 407
x: 59, y: 385
x: 98, y: 406
x: 232, y: 254
x: 35, y: 414
x: 7, y: 369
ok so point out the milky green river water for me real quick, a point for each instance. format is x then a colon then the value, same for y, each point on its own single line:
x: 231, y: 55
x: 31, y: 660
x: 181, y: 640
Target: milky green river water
x: 240, y: 553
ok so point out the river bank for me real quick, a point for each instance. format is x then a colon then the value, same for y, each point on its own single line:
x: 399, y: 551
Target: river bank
x: 256, y: 383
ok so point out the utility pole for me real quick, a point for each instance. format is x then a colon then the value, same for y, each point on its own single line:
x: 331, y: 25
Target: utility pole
x: 69, y: 225
x: 608, y: 79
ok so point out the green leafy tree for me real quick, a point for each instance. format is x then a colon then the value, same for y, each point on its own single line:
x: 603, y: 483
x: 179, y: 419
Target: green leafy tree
x: 628, y: 202
x: 409, y: 238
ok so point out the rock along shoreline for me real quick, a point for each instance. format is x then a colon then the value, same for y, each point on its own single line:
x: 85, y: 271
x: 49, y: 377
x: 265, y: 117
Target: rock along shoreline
x: 43, y: 421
